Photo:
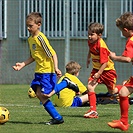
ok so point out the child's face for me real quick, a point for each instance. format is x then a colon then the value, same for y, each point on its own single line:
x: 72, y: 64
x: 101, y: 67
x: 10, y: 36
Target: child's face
x: 93, y: 37
x: 32, y: 27
x: 125, y: 32
x: 77, y: 74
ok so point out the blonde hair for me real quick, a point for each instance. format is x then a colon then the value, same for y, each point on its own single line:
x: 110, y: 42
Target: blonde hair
x: 34, y: 16
x: 73, y: 67
x: 125, y: 21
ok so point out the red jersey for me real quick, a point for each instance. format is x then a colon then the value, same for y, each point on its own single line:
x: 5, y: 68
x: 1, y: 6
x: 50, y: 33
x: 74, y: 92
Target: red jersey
x: 100, y: 54
x: 128, y: 52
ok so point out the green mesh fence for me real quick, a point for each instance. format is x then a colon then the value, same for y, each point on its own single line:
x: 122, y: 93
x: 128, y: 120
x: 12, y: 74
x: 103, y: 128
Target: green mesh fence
x: 65, y: 24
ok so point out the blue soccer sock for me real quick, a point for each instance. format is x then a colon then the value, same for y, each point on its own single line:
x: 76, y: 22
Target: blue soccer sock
x: 63, y: 84
x: 49, y: 107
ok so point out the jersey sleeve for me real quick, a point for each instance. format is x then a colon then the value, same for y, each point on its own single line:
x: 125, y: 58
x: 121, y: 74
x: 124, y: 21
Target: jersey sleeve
x: 46, y: 46
x: 128, y: 52
x: 104, y: 54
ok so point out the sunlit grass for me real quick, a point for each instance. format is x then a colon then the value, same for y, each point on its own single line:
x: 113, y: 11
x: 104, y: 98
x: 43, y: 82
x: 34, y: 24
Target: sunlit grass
x: 28, y: 116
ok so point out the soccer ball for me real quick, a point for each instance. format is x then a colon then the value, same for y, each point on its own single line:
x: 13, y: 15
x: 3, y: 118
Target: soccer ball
x: 4, y: 115
x: 31, y: 93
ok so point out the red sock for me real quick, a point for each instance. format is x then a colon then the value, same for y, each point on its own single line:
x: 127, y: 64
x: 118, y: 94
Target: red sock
x: 119, y: 87
x: 92, y: 100
x: 124, y: 106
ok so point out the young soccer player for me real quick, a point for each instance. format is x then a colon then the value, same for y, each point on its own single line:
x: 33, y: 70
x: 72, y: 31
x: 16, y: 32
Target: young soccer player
x: 46, y: 66
x: 103, y: 67
x: 67, y: 97
x: 125, y: 24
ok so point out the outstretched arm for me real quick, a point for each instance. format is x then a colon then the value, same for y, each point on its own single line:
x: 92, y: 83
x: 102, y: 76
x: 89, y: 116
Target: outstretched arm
x: 119, y: 58
x: 20, y: 65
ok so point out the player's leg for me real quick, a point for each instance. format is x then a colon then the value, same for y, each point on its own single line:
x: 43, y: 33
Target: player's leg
x: 44, y: 83
x: 122, y: 123
x: 49, y: 107
x: 91, y: 113
x: 76, y: 102
x: 65, y: 83
x: 84, y: 98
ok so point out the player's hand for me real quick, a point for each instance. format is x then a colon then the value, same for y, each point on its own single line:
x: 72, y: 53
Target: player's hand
x: 58, y: 72
x: 18, y: 66
x: 78, y: 93
x: 96, y: 76
x: 112, y: 55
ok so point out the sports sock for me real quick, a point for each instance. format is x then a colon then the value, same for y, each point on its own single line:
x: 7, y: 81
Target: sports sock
x: 124, y: 106
x: 49, y: 107
x: 92, y: 100
x: 60, y: 86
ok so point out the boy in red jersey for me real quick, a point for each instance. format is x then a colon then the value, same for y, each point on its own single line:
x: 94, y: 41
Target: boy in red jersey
x: 125, y: 24
x: 103, y: 67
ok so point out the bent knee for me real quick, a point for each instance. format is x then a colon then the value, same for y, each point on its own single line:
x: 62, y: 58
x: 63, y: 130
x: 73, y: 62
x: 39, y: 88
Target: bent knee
x: 114, y: 91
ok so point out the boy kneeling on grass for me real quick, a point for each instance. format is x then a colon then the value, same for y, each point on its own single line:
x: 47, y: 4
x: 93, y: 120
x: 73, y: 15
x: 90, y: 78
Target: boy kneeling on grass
x: 67, y: 97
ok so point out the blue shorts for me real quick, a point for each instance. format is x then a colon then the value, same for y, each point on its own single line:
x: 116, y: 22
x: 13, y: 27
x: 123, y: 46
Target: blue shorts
x: 47, y: 81
x: 76, y: 102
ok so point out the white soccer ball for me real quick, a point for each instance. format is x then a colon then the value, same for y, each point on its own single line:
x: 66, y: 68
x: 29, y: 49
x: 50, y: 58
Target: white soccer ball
x: 31, y: 93
x: 4, y: 115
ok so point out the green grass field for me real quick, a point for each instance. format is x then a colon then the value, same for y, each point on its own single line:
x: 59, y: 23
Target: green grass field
x: 28, y: 116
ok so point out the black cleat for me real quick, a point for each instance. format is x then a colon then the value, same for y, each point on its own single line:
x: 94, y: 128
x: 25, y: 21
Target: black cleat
x: 54, y: 121
x: 71, y: 85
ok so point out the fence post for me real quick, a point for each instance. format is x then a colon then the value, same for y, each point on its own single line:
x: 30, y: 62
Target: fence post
x: 67, y: 31
x: 0, y: 20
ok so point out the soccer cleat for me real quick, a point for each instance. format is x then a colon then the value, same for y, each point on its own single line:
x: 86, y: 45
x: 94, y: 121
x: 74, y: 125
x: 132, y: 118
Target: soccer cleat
x: 91, y: 114
x: 119, y: 125
x: 54, y: 121
x: 71, y: 85
x: 115, y: 120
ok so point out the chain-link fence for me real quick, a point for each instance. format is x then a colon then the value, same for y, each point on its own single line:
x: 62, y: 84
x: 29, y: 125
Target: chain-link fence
x: 65, y: 24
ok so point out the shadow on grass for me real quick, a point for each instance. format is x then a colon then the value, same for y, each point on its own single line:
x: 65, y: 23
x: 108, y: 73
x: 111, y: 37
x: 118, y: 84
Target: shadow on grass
x: 72, y: 115
x: 81, y: 116
x: 20, y: 122
x: 95, y: 132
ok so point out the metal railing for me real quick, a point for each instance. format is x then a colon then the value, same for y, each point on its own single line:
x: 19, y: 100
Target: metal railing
x: 126, y: 6
x: 3, y: 19
x: 81, y: 13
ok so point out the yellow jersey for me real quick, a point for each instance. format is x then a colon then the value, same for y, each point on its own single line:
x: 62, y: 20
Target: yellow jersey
x: 67, y: 95
x: 42, y: 53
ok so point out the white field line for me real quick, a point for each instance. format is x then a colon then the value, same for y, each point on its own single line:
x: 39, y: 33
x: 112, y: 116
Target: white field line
x: 33, y: 106
x: 20, y: 105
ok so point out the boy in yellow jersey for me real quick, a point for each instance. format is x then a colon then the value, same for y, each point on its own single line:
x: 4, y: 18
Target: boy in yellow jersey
x: 125, y: 24
x: 46, y: 66
x: 103, y: 67
x: 67, y: 97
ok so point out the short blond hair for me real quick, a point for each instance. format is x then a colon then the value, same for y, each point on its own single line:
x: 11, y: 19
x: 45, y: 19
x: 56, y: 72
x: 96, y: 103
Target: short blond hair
x: 34, y: 16
x: 73, y: 67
